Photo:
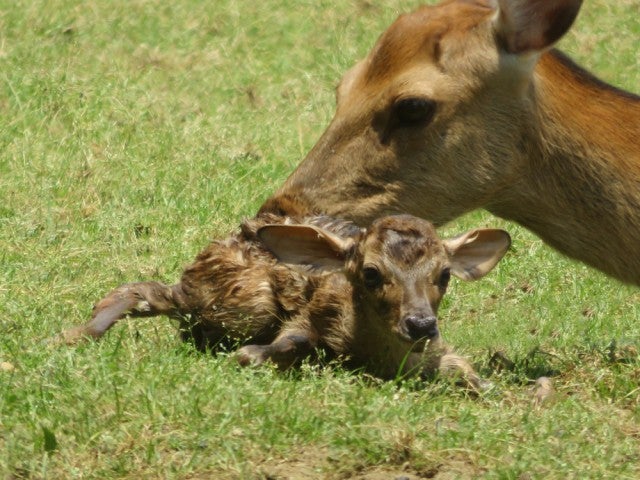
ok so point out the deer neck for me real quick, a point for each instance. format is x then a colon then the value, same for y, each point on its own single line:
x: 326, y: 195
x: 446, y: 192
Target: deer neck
x: 579, y: 183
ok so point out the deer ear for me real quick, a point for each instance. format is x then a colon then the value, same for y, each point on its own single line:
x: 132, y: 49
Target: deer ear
x: 527, y: 26
x: 474, y: 254
x: 306, y: 246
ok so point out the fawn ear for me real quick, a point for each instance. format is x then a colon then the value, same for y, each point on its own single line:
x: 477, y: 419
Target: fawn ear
x: 528, y: 26
x: 306, y: 246
x: 474, y: 253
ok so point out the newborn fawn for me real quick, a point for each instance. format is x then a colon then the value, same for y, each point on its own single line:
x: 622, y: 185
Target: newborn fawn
x: 283, y: 289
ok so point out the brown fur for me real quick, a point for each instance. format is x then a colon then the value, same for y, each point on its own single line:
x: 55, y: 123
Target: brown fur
x: 518, y: 129
x: 237, y: 291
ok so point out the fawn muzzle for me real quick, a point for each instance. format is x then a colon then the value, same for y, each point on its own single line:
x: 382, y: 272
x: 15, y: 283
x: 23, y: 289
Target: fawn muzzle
x: 418, y: 327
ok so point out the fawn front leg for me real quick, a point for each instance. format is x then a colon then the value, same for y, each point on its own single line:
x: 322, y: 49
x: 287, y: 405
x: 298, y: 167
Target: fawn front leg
x: 288, y: 348
x: 455, y: 366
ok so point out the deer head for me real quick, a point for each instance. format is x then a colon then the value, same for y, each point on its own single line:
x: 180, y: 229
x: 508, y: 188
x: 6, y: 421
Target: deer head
x: 434, y: 121
x: 399, y: 268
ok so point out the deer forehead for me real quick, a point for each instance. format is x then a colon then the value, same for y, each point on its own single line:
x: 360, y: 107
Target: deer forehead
x: 436, y: 51
x: 420, y: 34
x: 404, y: 243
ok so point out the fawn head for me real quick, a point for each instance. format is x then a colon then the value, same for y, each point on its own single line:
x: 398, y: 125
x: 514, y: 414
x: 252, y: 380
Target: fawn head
x: 399, y: 268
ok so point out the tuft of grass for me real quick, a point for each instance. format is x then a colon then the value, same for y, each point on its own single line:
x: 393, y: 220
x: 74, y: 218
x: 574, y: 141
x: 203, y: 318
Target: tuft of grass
x: 133, y: 132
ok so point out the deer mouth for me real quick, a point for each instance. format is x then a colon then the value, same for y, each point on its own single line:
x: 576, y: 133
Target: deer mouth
x: 418, y: 345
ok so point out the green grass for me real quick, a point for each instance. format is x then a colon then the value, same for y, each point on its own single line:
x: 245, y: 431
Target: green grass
x: 133, y: 132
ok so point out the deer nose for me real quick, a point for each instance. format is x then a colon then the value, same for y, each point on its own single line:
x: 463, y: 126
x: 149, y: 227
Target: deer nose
x: 420, y: 326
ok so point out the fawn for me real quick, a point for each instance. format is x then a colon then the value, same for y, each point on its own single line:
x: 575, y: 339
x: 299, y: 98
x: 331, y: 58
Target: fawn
x: 282, y: 289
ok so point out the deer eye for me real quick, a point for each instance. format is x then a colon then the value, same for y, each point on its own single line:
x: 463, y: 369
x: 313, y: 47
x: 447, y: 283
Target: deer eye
x: 372, y: 277
x: 445, y: 276
x: 414, y: 110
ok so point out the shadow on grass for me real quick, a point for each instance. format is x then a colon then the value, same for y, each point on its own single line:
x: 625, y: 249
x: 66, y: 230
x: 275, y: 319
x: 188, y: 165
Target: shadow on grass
x: 540, y: 362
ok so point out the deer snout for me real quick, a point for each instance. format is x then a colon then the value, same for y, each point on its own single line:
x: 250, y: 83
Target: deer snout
x: 419, y: 327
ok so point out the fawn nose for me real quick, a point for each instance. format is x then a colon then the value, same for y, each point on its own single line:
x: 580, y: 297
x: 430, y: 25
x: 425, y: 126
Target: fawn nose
x: 421, y: 326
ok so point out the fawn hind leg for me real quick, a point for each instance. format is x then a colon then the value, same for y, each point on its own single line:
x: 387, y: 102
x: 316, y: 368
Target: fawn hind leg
x: 142, y: 299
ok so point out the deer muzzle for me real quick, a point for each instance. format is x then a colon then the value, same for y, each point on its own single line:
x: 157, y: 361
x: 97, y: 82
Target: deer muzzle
x: 416, y: 327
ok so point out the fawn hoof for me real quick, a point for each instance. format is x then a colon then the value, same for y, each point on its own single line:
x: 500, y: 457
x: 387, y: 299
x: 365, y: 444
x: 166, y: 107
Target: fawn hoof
x: 485, y: 386
x: 251, y: 355
x: 543, y: 391
x: 74, y: 336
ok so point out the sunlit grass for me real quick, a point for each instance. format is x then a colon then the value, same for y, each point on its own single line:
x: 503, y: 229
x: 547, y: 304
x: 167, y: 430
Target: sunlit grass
x: 133, y: 132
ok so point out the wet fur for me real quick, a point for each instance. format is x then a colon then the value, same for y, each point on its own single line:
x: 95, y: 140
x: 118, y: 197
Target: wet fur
x: 237, y: 293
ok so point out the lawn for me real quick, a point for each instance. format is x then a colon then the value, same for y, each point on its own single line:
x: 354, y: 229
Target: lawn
x: 133, y: 132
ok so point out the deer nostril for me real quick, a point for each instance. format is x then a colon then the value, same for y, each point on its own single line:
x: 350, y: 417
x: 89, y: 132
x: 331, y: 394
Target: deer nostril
x: 421, y: 327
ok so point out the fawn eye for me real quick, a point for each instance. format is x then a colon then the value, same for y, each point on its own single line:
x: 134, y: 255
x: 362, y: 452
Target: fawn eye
x: 372, y: 277
x: 414, y: 110
x: 445, y: 276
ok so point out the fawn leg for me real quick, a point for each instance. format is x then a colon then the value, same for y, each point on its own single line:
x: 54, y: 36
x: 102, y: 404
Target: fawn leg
x: 143, y: 299
x: 452, y: 365
x: 288, y: 348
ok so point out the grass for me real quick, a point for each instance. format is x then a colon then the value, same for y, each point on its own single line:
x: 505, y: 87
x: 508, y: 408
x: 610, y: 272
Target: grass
x: 133, y: 132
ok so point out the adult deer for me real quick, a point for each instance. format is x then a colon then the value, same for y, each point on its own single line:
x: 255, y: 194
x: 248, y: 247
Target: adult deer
x: 463, y: 105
